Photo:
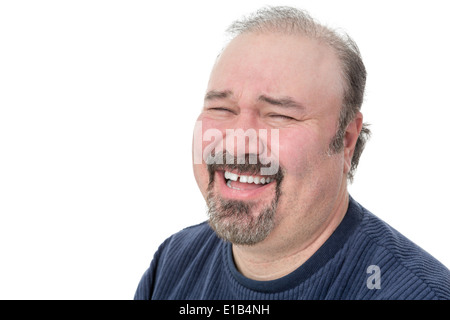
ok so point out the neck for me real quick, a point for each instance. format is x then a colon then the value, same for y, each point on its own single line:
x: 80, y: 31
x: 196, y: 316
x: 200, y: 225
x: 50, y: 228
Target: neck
x: 280, y: 254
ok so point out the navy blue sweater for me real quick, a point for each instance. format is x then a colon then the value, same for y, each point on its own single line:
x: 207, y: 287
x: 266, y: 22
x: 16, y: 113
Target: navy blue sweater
x: 364, y: 258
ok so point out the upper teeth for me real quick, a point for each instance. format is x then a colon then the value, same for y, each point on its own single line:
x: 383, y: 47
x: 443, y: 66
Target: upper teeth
x: 246, y: 179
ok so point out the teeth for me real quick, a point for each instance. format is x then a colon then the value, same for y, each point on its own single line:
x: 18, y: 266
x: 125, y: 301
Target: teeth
x: 231, y: 176
x: 246, y: 179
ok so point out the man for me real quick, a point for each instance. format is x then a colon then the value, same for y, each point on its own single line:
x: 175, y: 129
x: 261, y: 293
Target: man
x: 281, y: 222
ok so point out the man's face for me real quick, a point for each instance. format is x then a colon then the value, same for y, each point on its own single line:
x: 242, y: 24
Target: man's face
x: 286, y: 91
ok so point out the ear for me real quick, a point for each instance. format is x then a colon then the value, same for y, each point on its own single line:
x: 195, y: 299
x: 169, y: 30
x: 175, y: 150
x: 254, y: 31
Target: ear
x: 350, y: 139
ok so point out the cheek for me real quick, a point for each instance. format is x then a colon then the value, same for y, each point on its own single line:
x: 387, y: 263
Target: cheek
x: 206, y: 138
x: 208, y: 135
x: 295, y: 152
x: 309, y: 170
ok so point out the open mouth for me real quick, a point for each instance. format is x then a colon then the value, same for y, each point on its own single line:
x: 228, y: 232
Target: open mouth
x: 245, y: 182
x: 242, y: 186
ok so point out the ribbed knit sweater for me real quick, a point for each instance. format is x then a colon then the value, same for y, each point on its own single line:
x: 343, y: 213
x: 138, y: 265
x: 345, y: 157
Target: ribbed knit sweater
x: 364, y: 258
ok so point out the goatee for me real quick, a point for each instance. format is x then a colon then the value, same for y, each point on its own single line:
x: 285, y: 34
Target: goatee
x: 235, y: 220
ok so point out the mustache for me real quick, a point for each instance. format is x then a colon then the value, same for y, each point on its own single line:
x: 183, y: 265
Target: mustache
x: 251, y: 164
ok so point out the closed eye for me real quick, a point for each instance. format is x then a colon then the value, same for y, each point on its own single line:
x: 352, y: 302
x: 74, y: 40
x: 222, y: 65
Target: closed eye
x: 281, y: 117
x: 221, y: 110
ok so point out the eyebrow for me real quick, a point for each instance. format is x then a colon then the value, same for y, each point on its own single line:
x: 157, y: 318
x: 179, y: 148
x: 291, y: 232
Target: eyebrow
x: 214, y: 95
x: 286, y: 102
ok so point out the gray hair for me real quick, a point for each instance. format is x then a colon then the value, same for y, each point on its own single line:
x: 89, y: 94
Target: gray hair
x: 290, y: 20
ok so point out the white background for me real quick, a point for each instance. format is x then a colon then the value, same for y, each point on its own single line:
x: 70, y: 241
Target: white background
x: 98, y: 100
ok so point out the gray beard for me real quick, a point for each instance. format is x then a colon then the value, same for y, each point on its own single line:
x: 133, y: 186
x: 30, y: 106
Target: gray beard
x: 233, y: 220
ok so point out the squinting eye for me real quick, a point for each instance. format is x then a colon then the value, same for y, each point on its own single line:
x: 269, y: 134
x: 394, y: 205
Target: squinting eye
x: 281, y: 117
x: 220, y: 109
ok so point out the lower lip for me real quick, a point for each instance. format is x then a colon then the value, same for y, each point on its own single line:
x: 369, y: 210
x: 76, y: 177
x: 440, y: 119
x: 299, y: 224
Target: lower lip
x: 255, y: 194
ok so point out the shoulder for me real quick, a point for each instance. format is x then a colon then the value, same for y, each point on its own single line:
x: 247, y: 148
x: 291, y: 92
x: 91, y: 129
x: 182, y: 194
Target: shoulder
x: 194, y: 233
x: 409, y: 271
x: 180, y: 256
x: 189, y: 241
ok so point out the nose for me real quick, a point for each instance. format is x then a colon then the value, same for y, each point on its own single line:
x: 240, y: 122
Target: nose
x: 244, y: 136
